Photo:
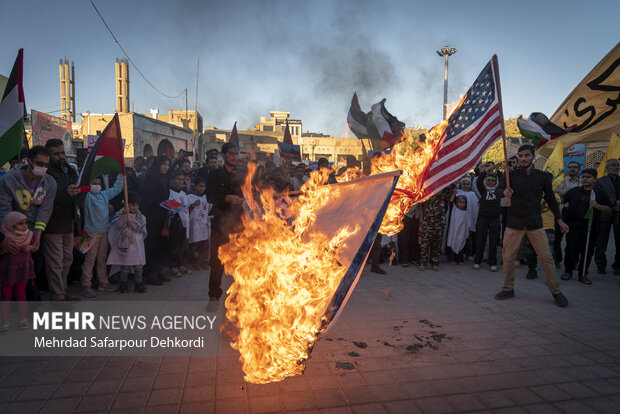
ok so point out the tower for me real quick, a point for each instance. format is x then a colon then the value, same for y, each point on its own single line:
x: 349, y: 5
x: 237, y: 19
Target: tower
x: 122, y: 85
x: 67, y: 90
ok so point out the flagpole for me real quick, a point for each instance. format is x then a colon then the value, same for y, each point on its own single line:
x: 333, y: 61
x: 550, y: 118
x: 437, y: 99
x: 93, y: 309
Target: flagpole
x: 501, y: 114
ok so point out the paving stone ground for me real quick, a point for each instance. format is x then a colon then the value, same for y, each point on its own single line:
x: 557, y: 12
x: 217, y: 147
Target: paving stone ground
x: 407, y: 342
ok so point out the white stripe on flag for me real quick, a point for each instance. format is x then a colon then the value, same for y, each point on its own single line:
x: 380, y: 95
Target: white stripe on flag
x: 466, y: 164
x: 11, y: 110
x: 529, y: 125
x: 380, y: 122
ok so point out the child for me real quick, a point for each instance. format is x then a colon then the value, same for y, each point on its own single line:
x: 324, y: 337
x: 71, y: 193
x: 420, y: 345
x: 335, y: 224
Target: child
x: 127, y: 243
x: 459, y: 229
x: 16, y: 269
x: 96, y: 224
x: 200, y: 224
x: 580, y: 200
x: 176, y: 226
x: 488, y: 223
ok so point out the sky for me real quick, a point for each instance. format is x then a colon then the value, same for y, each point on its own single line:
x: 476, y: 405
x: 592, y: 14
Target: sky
x: 306, y: 57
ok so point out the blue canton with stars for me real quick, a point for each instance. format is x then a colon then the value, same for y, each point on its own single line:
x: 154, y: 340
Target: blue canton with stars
x: 479, y: 97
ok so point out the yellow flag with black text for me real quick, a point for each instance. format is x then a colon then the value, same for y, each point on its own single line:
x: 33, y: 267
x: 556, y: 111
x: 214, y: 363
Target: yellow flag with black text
x: 613, y: 151
x: 555, y: 165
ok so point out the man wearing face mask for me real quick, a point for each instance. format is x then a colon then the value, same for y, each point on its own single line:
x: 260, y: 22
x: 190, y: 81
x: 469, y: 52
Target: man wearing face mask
x: 29, y: 190
x: 58, y: 247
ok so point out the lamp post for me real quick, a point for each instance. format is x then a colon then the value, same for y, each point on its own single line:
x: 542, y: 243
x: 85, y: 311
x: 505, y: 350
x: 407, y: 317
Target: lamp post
x: 446, y: 52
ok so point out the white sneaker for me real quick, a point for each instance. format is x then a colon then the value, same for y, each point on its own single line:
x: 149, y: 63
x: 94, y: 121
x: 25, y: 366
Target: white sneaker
x: 476, y: 266
x: 493, y: 268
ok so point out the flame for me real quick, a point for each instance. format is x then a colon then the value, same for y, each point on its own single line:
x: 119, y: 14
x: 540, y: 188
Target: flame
x: 286, y: 272
x: 285, y: 275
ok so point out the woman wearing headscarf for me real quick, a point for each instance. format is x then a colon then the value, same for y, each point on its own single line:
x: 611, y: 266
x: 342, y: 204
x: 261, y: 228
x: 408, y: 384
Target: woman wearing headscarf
x: 472, y: 210
x: 154, y: 191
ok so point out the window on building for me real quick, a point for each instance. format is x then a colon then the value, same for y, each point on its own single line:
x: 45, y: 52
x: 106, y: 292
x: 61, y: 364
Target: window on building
x: 267, y: 128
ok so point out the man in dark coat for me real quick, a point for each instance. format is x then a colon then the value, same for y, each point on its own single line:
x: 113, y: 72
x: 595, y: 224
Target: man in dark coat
x: 610, y: 184
x: 59, y: 233
x: 528, y: 186
x: 224, y: 192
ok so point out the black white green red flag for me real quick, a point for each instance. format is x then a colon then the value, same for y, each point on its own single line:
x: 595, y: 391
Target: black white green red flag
x: 106, y: 155
x: 539, y: 129
x: 12, y: 112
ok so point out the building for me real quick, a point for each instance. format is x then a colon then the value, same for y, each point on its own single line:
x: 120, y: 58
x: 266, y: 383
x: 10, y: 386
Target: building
x: 277, y: 123
x: 180, y: 117
x: 143, y: 135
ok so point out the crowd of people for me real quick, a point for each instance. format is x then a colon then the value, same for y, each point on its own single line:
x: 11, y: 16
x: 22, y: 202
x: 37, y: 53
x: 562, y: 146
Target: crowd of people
x: 179, y: 213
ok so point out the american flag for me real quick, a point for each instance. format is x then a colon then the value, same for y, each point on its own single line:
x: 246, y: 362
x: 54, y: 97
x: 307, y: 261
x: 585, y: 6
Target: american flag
x: 472, y: 128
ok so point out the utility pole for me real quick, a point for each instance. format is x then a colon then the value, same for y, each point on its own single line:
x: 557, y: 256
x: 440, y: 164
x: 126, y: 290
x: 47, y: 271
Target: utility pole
x: 446, y: 52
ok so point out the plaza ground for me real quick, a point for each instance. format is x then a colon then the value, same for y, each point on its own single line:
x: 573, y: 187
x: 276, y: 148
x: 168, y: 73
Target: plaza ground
x: 407, y: 342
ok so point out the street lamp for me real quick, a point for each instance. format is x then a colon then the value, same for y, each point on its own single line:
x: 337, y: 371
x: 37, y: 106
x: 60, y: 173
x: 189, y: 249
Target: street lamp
x: 446, y: 52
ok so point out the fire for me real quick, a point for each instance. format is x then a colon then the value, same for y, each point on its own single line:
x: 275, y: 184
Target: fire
x: 285, y: 275
x: 286, y: 271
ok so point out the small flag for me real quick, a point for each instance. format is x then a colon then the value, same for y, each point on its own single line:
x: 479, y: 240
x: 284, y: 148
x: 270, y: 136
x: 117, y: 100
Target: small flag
x: 286, y: 147
x: 106, y: 155
x: 357, y: 119
x: 590, y: 212
x: 233, y: 139
x: 384, y: 129
x: 555, y: 165
x: 613, y: 151
x: 12, y: 112
x: 169, y: 153
x: 539, y: 129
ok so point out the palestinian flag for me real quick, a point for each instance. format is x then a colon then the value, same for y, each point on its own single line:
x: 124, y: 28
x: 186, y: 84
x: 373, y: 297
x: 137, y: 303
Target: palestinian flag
x: 286, y: 147
x: 539, y: 129
x: 106, y: 155
x: 234, y: 139
x: 12, y: 112
x: 357, y: 119
x: 384, y: 129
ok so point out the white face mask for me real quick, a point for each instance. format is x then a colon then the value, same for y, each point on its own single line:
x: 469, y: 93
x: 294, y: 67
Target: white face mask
x: 39, y: 171
x: 95, y: 189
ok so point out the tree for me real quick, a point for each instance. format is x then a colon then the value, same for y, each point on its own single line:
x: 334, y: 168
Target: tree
x: 495, y: 153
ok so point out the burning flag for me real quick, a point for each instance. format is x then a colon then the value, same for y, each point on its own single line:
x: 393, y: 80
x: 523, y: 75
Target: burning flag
x: 294, y: 268
x: 12, y: 112
x: 106, y: 155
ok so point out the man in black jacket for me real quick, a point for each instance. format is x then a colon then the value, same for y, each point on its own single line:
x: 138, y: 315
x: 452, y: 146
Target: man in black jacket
x: 58, y: 246
x: 224, y: 192
x: 524, y: 218
x: 610, y: 184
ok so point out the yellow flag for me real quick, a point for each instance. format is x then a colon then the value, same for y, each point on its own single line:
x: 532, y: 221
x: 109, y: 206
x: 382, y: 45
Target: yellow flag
x: 555, y: 165
x: 592, y: 109
x: 613, y: 151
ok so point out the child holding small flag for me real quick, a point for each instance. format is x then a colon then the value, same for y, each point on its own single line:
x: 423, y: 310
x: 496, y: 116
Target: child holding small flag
x: 127, y: 243
x: 584, y: 206
x: 176, y: 226
x: 199, y: 224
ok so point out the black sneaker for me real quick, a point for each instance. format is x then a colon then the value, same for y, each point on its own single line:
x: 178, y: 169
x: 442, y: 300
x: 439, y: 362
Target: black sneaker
x: 531, y: 274
x: 505, y: 294
x: 560, y: 300
x: 377, y: 269
x: 163, y: 278
x: 601, y: 270
x: 122, y: 287
x: 140, y: 288
x: 568, y: 275
x: 153, y: 280
x: 584, y: 279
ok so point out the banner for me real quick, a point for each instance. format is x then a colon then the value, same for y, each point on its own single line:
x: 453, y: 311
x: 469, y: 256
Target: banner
x: 592, y: 110
x: 46, y: 127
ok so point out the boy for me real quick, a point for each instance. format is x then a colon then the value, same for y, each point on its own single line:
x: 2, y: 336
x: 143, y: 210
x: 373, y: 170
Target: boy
x: 127, y: 243
x: 176, y: 226
x: 96, y: 224
x: 579, y: 200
